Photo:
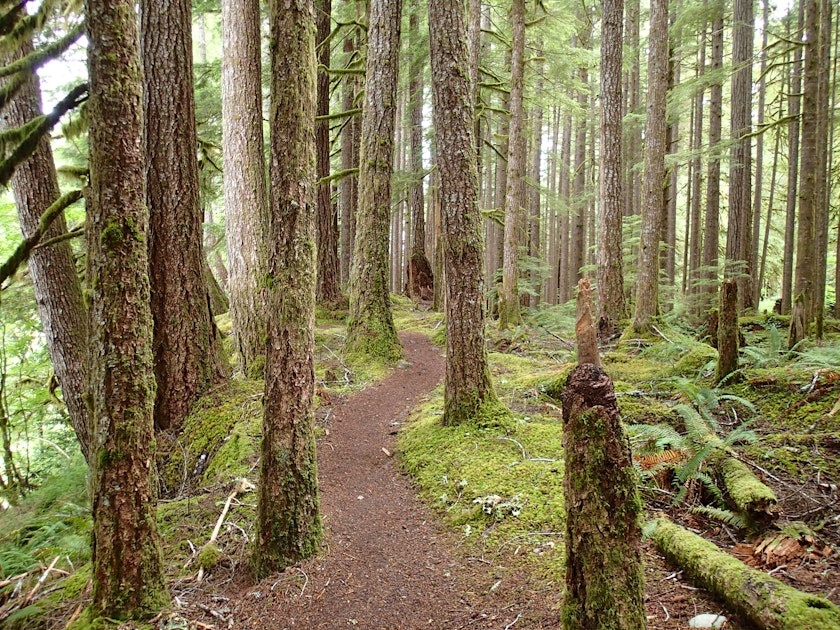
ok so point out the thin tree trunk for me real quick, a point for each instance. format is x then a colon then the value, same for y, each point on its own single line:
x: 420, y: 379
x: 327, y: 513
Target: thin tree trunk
x: 655, y: 132
x: 711, y: 228
x: 509, y: 313
x: 348, y: 185
x: 327, y: 290
x: 58, y: 292
x: 551, y: 294
x: 696, y: 244
x: 610, y: 276
x: 420, y: 277
x: 245, y: 192
x: 755, y: 297
x: 566, y: 206
x: 739, y: 223
x: 535, y: 212
x: 794, y: 108
x: 822, y: 194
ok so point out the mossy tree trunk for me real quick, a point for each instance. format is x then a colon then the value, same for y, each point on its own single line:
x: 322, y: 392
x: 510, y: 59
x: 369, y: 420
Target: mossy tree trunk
x: 186, y: 348
x: 288, y: 524
x: 370, y: 329
x: 127, y: 562
x: 327, y: 291
x: 509, y: 311
x: 246, y: 199
x: 760, y: 598
x: 604, y: 571
x: 727, y: 331
x: 348, y: 188
x: 469, y: 393
x: 610, y: 276
x: 58, y: 292
x: 647, y: 301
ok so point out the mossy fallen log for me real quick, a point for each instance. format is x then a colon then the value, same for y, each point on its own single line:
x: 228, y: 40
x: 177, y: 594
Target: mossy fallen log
x: 760, y: 598
x: 745, y: 492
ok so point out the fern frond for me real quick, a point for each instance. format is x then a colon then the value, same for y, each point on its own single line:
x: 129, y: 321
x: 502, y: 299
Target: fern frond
x: 727, y: 517
x: 647, y: 462
x: 710, y: 485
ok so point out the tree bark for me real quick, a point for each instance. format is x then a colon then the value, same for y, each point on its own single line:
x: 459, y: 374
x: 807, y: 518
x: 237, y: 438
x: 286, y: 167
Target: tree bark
x: 794, y: 108
x: 805, y: 271
x: 535, y: 212
x: 509, y: 312
x: 469, y: 394
x: 348, y: 188
x: 648, y: 276
x: 711, y: 228
x: 128, y: 579
x: 288, y: 523
x: 610, y: 276
x: 370, y: 329
x: 758, y: 190
x: 695, y: 245
x: 58, y: 291
x: 604, y: 570
x: 763, y: 600
x: 823, y: 188
x: 739, y: 223
x: 420, y: 277
x: 727, y: 332
x: 245, y: 192
x: 327, y: 290
x: 186, y: 348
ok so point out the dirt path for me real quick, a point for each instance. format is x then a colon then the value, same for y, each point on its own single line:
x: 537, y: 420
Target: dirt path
x: 387, y: 564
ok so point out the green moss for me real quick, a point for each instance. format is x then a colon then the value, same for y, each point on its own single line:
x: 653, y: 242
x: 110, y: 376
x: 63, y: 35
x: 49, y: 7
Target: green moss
x: 209, y: 556
x: 217, y: 441
x: 777, y: 606
x: 111, y: 236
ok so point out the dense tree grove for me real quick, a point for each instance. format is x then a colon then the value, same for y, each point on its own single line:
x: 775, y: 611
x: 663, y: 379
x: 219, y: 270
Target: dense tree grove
x: 480, y: 158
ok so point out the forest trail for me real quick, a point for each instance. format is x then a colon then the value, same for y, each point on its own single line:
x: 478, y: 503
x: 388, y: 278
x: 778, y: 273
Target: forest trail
x: 386, y: 564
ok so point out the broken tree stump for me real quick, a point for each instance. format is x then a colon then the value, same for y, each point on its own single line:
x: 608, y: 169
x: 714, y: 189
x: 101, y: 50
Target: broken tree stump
x: 604, y: 571
x: 587, y: 340
x: 764, y: 600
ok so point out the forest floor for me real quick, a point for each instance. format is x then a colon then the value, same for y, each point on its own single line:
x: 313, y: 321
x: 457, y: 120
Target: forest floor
x: 408, y: 543
x: 387, y: 562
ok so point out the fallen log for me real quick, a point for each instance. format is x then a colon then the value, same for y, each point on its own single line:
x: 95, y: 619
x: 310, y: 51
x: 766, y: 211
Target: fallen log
x: 745, y: 492
x: 760, y: 598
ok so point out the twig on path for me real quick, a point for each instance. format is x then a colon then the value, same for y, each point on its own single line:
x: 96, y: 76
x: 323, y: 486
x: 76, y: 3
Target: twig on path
x: 306, y: 577
x: 511, y: 624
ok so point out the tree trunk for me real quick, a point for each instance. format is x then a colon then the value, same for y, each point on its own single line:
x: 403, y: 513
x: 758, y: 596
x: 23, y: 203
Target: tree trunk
x: 370, y: 329
x: 805, y: 255
x: 349, y: 160
x: 761, y: 599
x: 469, y: 394
x: 632, y: 130
x: 604, y: 570
x: 420, y: 277
x: 535, y: 213
x: 794, y: 108
x: 755, y: 297
x: 186, y: 348
x: 739, y: 223
x: 128, y: 579
x: 327, y: 291
x: 565, y: 205
x: 577, y: 217
x: 648, y: 276
x: 695, y: 246
x: 288, y: 524
x: 58, y: 292
x: 610, y: 276
x: 244, y: 179
x: 727, y: 332
x: 711, y: 228
x: 509, y: 313
x: 823, y: 189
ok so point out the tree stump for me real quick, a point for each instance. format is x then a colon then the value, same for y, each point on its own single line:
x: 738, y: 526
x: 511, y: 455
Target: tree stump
x: 604, y: 571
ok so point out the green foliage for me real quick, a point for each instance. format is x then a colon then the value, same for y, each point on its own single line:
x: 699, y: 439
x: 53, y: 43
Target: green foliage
x: 768, y: 354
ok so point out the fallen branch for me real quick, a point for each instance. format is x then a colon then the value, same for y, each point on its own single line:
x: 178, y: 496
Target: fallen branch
x: 764, y: 600
x: 39, y: 583
x: 243, y: 486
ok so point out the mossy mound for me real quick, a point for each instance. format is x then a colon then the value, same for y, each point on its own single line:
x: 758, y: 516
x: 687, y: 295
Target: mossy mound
x: 217, y: 441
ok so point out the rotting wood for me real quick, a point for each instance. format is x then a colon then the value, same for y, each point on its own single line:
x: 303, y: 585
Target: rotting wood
x: 762, y: 599
x: 587, y: 340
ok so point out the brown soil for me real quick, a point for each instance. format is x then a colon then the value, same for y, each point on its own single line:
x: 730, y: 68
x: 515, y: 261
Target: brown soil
x: 386, y: 562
